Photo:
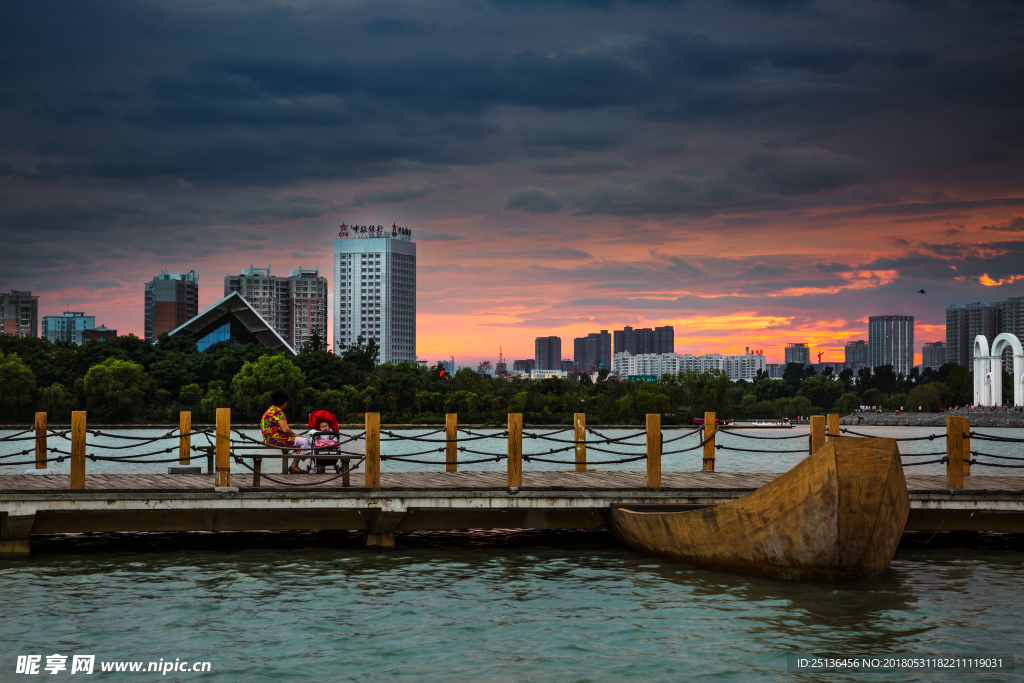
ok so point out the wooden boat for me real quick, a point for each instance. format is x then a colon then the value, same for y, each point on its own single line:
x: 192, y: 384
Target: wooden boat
x: 836, y: 516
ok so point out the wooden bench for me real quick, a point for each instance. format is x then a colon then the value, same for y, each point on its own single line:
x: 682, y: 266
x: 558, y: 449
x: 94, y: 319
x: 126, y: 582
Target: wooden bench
x: 286, y: 455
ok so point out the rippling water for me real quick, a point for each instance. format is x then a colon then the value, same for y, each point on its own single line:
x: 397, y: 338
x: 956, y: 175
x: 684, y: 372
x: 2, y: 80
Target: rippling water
x: 488, y: 606
x: 770, y: 455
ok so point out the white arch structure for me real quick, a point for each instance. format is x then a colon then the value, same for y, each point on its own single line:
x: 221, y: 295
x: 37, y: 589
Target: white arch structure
x: 988, y: 370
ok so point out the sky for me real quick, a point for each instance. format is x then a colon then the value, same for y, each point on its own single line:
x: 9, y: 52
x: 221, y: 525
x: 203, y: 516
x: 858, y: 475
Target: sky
x: 752, y: 172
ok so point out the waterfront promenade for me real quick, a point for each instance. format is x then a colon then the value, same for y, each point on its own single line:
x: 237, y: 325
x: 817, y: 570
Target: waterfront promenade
x: 237, y: 493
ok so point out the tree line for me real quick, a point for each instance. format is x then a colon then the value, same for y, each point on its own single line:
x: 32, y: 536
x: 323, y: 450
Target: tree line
x: 130, y: 380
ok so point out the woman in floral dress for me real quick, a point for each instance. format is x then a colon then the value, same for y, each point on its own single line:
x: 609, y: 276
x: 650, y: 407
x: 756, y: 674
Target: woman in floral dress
x: 276, y: 431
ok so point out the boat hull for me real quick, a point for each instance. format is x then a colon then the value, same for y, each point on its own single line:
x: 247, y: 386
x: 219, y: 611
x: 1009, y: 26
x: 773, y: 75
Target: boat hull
x: 836, y: 516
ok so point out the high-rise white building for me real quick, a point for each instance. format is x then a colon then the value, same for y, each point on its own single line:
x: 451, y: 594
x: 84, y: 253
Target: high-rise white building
x: 375, y: 290
x: 294, y: 305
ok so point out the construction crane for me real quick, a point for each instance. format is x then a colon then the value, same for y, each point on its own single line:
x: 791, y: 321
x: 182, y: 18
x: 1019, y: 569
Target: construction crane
x: 820, y: 353
x: 501, y: 369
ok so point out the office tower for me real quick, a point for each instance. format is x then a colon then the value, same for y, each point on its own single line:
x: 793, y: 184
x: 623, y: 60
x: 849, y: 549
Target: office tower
x: 19, y: 313
x: 891, y: 342
x: 933, y: 355
x: 567, y: 364
x: 294, y: 305
x: 547, y: 353
x: 172, y: 299
x: 448, y: 365
x: 593, y: 352
x: 798, y: 352
x: 375, y: 290
x: 68, y: 327
x: 856, y: 354
x: 525, y: 365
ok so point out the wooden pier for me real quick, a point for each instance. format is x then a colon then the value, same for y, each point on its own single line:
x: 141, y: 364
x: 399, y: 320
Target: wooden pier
x: 379, y: 502
x: 431, y: 501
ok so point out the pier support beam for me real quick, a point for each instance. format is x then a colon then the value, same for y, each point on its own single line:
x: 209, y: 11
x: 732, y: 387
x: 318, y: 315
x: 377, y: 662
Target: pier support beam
x: 965, y: 425
x: 381, y: 525
x: 15, y: 528
x: 451, y: 445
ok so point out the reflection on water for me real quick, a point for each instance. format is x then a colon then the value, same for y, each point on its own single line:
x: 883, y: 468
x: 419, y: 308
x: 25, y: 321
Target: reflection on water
x: 489, y: 606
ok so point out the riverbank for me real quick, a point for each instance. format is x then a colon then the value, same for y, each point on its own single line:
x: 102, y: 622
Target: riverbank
x: 933, y: 419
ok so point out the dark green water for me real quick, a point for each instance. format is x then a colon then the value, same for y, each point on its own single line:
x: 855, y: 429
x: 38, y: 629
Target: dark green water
x: 488, y: 606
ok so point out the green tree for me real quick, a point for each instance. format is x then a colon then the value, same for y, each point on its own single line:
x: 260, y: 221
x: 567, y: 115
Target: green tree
x: 216, y: 397
x: 190, y: 395
x: 929, y: 398
x: 17, y: 386
x: 847, y: 403
x: 114, y: 389
x: 254, y: 383
x: 57, y: 402
x: 960, y: 383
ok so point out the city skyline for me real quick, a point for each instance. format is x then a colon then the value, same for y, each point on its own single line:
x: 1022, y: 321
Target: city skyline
x: 750, y: 174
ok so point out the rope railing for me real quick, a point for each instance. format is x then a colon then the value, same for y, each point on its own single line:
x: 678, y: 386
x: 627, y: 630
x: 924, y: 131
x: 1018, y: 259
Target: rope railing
x: 452, y: 447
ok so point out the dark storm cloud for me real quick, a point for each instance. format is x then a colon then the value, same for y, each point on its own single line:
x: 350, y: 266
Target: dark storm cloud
x: 132, y: 130
x: 533, y: 200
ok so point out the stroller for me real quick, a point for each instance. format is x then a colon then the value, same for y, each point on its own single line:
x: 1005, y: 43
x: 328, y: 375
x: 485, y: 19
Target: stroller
x: 316, y: 464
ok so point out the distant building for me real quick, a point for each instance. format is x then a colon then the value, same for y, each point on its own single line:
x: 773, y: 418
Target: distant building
x: 232, y: 320
x: 933, y: 355
x: 658, y: 340
x: 567, y: 365
x: 891, y: 342
x: 658, y: 364
x: 544, y: 373
x: 548, y: 353
x: 375, y: 289
x: 295, y: 305
x: 798, y: 353
x: 19, y: 313
x: 526, y: 365
x: 857, y: 354
x: 172, y: 299
x: 448, y: 365
x: 964, y: 323
x: 775, y: 370
x: 593, y: 351
x: 98, y: 334
x: 68, y: 327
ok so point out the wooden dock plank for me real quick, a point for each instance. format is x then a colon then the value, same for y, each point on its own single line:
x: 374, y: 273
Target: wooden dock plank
x: 442, y: 481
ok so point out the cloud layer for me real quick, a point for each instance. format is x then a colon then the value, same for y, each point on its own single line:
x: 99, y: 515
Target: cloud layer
x: 752, y: 172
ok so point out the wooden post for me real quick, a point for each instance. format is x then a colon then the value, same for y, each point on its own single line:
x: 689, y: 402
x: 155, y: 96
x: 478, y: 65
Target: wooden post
x: 78, y: 449
x: 708, y: 465
x: 41, y: 450
x: 515, y: 450
x: 185, y: 442
x: 451, y: 446
x: 954, y: 454
x: 832, y: 426
x: 579, y: 421
x: 965, y: 424
x: 223, y: 448
x: 372, y: 451
x: 654, y: 451
x: 817, y: 432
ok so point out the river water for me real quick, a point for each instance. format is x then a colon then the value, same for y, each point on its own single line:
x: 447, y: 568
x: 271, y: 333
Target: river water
x: 494, y: 605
